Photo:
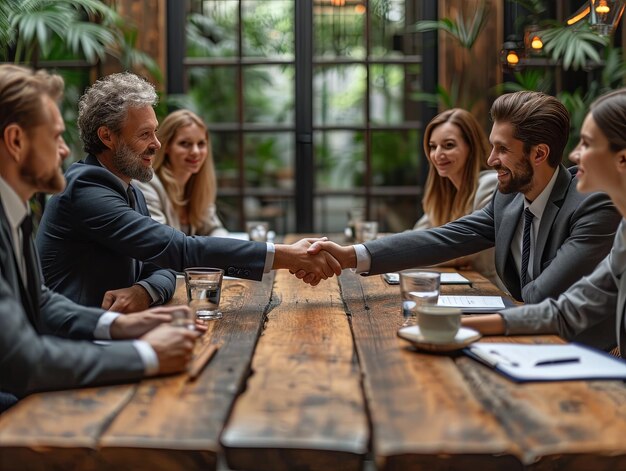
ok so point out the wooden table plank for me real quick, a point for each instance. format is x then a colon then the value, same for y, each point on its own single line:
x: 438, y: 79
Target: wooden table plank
x: 59, y: 430
x: 573, y: 425
x: 171, y: 423
x: 423, y: 414
x: 303, y: 407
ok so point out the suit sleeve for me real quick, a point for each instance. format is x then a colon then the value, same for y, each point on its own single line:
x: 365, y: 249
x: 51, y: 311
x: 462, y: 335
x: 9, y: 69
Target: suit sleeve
x: 64, y: 318
x: 30, y: 362
x: 465, y: 236
x: 585, y: 312
x: 102, y: 214
x: 592, y: 230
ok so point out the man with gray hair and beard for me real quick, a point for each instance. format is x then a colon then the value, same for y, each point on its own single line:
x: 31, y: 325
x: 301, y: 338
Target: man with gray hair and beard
x: 97, y: 242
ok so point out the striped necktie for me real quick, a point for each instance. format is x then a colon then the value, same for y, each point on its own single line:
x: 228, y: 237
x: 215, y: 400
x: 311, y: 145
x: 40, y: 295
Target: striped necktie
x: 528, y: 220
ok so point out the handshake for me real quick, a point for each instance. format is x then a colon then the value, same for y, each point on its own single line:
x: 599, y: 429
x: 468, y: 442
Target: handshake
x: 313, y: 260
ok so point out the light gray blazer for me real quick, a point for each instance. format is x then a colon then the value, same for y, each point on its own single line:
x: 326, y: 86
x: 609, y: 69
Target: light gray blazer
x: 591, y: 311
x: 576, y: 232
x: 162, y: 210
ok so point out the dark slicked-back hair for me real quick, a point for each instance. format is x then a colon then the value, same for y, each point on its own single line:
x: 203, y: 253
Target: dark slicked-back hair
x: 536, y: 118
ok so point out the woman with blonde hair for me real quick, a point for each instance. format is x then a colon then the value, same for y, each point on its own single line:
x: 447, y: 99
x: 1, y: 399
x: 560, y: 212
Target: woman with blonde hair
x: 459, y: 181
x: 182, y: 192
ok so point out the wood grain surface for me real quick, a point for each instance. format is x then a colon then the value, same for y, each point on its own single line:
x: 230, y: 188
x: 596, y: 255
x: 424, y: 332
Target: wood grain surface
x: 303, y: 407
x: 423, y: 414
x: 173, y: 424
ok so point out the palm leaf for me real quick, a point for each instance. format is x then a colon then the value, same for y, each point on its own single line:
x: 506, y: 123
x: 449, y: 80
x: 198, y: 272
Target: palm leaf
x: 575, y: 47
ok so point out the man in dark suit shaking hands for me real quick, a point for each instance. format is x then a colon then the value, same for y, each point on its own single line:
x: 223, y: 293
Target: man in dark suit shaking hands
x: 546, y: 234
x: 44, y: 337
x: 97, y: 242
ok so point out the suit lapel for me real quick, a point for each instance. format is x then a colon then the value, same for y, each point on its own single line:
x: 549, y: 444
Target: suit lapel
x: 551, y: 211
x: 11, y: 272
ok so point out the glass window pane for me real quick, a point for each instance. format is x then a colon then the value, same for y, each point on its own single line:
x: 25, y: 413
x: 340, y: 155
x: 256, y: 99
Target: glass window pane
x: 395, y: 158
x: 278, y: 211
x: 386, y: 93
x: 389, y: 22
x: 339, y: 29
x: 213, y: 33
x: 212, y: 93
x: 395, y: 213
x: 339, y: 160
x: 269, y: 94
x: 269, y: 160
x: 268, y: 28
x: 225, y: 146
x: 339, y: 95
x: 331, y: 212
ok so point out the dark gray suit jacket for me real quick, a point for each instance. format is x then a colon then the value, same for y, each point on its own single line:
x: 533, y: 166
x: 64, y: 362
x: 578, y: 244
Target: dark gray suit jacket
x: 36, y: 352
x: 91, y: 241
x: 575, y: 233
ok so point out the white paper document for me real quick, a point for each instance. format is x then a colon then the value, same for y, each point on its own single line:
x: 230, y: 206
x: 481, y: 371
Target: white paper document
x: 454, y: 279
x: 470, y: 304
x: 548, y: 362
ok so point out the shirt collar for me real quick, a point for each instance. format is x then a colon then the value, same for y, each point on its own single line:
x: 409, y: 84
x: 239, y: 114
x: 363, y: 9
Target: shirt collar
x: 15, y: 209
x: 538, y: 206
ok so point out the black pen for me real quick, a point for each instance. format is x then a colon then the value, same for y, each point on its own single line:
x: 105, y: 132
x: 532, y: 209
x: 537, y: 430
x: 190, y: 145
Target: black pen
x: 557, y: 361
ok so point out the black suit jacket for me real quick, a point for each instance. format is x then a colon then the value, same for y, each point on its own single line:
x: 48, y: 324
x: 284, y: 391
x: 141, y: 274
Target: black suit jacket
x: 44, y: 345
x: 91, y: 241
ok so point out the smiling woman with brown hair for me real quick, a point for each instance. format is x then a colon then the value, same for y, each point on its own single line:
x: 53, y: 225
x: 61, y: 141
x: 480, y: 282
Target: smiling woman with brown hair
x: 459, y: 180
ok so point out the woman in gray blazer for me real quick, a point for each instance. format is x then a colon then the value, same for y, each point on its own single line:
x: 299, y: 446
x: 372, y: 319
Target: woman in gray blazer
x: 601, y: 296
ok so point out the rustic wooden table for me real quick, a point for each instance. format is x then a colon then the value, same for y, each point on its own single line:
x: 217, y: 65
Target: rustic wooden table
x: 316, y: 379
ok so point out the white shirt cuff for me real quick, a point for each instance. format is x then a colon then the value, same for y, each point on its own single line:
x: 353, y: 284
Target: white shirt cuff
x: 151, y: 291
x: 363, y: 259
x: 269, y: 257
x: 103, y: 328
x: 148, y: 356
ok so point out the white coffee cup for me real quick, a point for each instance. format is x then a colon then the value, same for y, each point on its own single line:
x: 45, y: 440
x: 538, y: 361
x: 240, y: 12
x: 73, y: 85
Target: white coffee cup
x: 438, y: 324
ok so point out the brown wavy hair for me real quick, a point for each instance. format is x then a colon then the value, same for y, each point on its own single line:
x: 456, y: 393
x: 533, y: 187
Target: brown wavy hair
x: 201, y: 189
x: 442, y: 201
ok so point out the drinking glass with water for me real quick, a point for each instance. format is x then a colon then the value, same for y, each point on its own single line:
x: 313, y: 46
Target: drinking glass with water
x: 418, y: 287
x: 204, y: 288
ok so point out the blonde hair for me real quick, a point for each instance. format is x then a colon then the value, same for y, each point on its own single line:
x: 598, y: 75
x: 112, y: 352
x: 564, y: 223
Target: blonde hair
x: 201, y: 189
x: 442, y: 201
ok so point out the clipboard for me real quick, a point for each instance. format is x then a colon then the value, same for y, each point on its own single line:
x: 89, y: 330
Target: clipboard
x: 572, y: 361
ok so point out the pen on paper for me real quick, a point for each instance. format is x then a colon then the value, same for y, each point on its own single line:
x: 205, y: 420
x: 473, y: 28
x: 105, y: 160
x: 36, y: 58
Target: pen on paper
x: 557, y: 361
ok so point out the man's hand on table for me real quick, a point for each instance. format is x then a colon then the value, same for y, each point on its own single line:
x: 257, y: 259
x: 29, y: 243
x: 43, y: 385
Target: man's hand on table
x: 315, y: 267
x: 173, y: 346
x: 132, y: 299
x: 132, y: 326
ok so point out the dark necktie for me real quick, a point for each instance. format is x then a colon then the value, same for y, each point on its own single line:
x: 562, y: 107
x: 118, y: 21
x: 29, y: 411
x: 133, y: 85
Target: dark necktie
x: 130, y: 192
x: 528, y: 219
x: 30, y: 260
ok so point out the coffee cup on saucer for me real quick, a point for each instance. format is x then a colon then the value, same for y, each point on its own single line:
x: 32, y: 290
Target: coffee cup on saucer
x: 438, y: 324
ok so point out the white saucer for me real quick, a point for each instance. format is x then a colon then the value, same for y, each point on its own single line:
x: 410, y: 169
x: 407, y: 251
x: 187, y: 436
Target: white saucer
x: 463, y: 338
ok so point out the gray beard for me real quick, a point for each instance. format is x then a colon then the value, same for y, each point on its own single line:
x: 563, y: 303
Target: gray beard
x: 128, y: 163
